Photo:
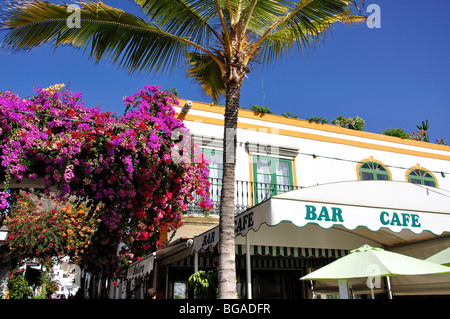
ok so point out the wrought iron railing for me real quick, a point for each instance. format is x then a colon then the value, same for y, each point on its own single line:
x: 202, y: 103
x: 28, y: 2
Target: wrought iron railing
x: 247, y: 194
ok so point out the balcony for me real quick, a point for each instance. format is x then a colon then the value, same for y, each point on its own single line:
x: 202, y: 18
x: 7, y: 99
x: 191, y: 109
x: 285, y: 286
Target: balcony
x: 247, y: 194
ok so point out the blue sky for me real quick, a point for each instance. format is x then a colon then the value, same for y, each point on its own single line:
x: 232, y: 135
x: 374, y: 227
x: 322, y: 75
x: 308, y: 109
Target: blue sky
x: 393, y: 76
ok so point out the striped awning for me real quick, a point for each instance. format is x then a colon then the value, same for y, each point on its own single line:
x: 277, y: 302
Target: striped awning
x: 178, y: 250
x: 260, y: 263
x: 291, y: 251
x: 284, y: 263
x: 271, y: 257
x: 141, y: 268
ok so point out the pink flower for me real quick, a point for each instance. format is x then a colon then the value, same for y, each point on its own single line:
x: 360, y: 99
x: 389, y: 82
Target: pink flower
x: 141, y: 214
x: 130, y: 170
x: 143, y: 235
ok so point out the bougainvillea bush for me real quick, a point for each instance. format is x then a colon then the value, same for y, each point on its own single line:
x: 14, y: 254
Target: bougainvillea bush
x: 121, y: 165
x: 42, y: 228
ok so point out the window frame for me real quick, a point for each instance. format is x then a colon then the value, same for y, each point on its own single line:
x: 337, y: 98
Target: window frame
x: 217, y: 185
x: 421, y: 178
x: 373, y: 170
x: 273, y: 176
x: 207, y: 153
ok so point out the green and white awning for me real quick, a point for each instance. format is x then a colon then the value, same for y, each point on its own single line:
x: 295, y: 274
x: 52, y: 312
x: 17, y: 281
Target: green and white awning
x: 342, y: 216
x: 280, y: 257
x: 285, y: 251
x: 141, y: 268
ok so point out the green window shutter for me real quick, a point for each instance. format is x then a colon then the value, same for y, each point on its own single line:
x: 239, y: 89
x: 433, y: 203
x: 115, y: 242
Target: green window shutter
x: 215, y: 172
x: 422, y: 177
x: 271, y: 176
x: 373, y: 171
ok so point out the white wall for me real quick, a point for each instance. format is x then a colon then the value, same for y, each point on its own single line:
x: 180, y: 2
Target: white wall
x: 336, y: 160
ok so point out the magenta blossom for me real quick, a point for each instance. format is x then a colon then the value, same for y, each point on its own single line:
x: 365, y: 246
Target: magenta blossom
x: 122, y: 164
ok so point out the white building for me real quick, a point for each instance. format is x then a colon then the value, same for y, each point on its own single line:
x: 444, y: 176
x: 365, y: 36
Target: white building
x: 286, y: 153
x: 276, y: 154
x: 67, y: 276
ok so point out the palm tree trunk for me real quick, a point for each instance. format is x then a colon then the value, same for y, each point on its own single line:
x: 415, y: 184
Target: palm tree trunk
x: 227, y: 264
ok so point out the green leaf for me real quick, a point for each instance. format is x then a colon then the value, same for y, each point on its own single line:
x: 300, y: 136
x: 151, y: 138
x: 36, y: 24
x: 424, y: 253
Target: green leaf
x: 210, y: 37
x: 206, y: 72
x: 107, y: 32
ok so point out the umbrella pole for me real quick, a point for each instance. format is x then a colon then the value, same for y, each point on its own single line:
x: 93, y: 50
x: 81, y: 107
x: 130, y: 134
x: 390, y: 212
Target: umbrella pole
x: 248, y: 266
x: 388, y: 287
x: 344, y: 291
x: 370, y: 284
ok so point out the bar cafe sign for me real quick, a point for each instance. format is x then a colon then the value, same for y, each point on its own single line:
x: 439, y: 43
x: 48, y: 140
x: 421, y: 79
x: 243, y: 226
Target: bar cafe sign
x: 399, y: 207
x: 386, y: 218
x: 242, y: 223
x: 326, y: 215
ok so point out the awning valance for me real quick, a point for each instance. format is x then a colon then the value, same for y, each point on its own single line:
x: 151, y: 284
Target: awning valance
x: 178, y: 250
x: 386, y: 212
x: 141, y: 268
x: 296, y: 257
x: 284, y: 251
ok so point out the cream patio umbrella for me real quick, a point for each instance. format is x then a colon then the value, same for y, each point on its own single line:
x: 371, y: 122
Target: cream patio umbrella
x: 442, y: 257
x: 367, y: 261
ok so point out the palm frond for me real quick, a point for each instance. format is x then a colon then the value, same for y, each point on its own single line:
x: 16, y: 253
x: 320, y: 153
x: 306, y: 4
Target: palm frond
x: 207, y: 73
x: 303, y: 26
x: 183, y: 17
x: 211, y: 35
x: 265, y: 13
x: 304, y: 34
x: 111, y: 33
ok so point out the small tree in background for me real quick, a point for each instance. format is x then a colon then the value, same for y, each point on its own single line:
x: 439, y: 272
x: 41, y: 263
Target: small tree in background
x: 318, y: 119
x: 422, y: 134
x: 396, y: 132
x: 353, y: 123
x: 260, y: 109
x: 204, y: 284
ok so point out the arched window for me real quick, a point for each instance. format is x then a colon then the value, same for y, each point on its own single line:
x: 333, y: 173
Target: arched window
x: 373, y: 171
x: 421, y: 176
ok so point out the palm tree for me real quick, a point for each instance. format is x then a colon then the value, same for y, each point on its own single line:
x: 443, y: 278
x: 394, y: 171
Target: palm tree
x: 216, y: 40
